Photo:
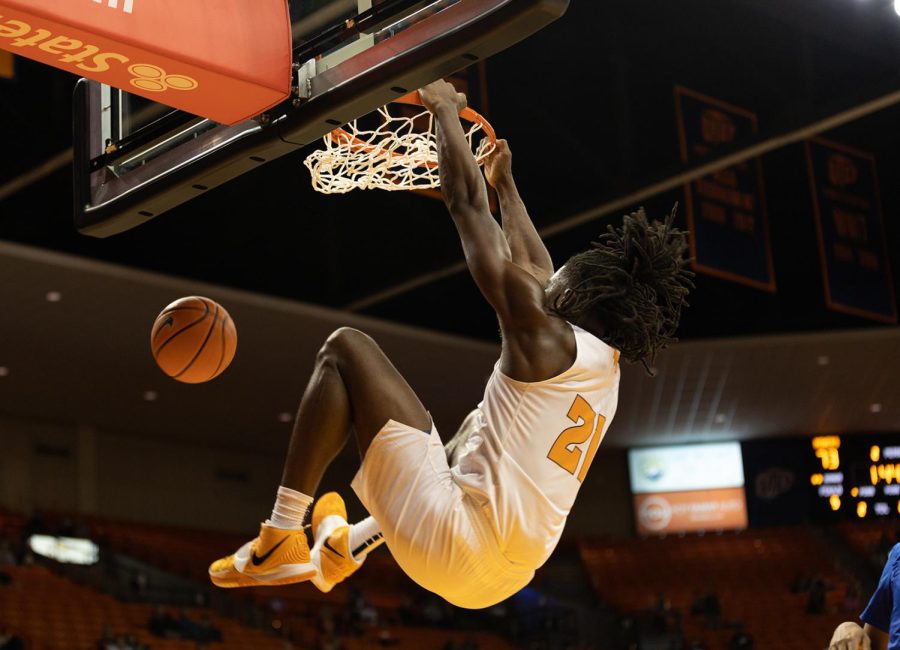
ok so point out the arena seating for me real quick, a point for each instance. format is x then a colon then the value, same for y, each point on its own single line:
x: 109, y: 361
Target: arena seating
x: 79, y: 614
x: 183, y: 551
x: 750, y: 572
x: 50, y: 612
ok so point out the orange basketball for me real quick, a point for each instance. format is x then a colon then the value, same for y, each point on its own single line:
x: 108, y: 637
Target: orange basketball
x: 193, y: 340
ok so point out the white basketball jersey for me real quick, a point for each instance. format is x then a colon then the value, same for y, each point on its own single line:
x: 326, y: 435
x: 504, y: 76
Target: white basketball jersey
x: 533, y: 445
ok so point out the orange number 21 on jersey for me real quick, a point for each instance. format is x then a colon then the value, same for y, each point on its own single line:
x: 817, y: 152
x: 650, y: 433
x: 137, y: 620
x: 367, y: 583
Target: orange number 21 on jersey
x: 566, y: 451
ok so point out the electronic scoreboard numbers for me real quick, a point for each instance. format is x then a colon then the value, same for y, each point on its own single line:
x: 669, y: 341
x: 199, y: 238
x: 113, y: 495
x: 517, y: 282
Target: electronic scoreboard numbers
x: 856, y: 476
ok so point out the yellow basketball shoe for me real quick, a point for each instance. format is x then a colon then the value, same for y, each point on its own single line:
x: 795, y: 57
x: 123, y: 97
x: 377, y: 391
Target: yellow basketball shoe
x: 331, y: 552
x: 276, y: 557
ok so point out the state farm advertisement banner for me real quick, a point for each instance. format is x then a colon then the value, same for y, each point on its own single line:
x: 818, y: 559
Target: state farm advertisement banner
x: 686, y: 488
x: 695, y: 510
x: 226, y: 60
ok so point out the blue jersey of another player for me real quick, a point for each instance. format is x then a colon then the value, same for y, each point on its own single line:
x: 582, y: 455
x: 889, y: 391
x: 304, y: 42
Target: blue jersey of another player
x: 883, y: 610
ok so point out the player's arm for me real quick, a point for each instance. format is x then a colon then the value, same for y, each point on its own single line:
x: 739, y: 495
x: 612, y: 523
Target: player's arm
x: 465, y: 194
x: 535, y: 346
x: 878, y: 638
x: 525, y: 245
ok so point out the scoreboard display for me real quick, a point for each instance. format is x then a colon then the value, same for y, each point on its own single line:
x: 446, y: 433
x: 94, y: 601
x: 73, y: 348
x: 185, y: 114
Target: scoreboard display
x: 856, y: 476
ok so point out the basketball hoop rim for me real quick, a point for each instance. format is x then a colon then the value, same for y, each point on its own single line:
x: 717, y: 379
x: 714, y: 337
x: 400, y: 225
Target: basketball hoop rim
x: 413, y: 99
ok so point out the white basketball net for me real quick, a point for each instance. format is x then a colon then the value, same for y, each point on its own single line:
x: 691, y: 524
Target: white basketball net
x: 395, y: 155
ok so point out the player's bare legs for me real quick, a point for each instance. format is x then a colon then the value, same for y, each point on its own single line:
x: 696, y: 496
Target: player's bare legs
x: 353, y: 388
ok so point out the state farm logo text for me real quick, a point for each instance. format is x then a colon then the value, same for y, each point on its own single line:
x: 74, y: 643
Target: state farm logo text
x: 89, y: 58
x: 127, y: 5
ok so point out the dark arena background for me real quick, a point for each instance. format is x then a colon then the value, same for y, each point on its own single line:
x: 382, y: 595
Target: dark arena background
x: 746, y: 496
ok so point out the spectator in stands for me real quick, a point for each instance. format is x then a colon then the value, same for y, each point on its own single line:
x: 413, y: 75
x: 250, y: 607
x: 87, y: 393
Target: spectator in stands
x: 131, y: 643
x: 163, y: 624
x: 201, y: 599
x: 433, y: 612
x: 631, y: 638
x: 664, y: 617
x: 113, y: 642
x: 407, y: 611
x: 203, y: 631
x: 385, y: 638
x: 801, y: 583
x: 330, y: 642
x: 709, y: 607
x: 66, y: 528
x: 206, y: 631
x: 741, y: 641
x: 187, y: 628
x: 106, y: 639
x: 816, y: 602
x: 361, y: 612
x: 9, y: 640
x: 7, y: 557
x: 326, y: 620
x: 139, y: 584
x: 33, y: 526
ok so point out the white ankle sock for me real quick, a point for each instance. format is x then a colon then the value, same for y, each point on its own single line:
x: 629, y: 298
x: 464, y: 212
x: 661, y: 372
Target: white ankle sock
x: 365, y: 537
x: 290, y: 509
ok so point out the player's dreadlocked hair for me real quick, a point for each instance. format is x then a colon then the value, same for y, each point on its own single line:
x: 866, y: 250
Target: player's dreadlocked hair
x: 636, y: 280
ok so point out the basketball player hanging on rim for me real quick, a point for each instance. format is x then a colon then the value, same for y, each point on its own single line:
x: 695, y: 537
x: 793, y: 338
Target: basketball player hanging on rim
x: 474, y: 528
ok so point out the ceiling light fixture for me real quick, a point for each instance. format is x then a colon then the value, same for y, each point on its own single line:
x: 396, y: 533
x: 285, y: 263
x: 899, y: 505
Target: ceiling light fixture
x: 151, y: 395
x: 823, y: 360
x: 54, y: 296
x: 875, y: 407
x: 4, y: 371
x: 285, y: 417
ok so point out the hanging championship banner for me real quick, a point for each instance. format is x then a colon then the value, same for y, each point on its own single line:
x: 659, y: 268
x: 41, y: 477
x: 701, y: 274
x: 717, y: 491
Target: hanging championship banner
x: 855, y: 268
x: 726, y: 211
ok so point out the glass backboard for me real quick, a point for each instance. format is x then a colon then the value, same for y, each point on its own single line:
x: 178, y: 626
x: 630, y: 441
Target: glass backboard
x: 135, y: 159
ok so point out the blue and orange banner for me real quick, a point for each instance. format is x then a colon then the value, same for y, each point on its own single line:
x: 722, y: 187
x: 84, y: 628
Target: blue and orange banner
x: 726, y: 211
x: 855, y: 267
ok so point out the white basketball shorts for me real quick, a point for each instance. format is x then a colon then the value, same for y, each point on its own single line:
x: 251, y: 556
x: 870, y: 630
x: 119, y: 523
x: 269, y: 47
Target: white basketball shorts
x: 437, y: 535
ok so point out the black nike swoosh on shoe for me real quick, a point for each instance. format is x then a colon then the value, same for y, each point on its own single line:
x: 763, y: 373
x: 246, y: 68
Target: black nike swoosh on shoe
x: 257, y: 560
x: 332, y: 549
